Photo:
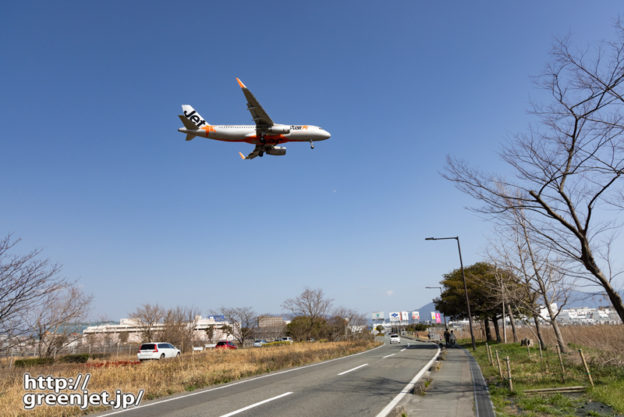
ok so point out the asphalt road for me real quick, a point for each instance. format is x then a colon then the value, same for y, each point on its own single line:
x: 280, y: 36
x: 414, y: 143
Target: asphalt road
x: 358, y: 385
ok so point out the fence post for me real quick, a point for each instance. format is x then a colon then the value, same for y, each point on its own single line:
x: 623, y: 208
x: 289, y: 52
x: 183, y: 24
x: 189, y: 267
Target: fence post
x: 500, y: 369
x: 561, y: 363
x: 509, y: 374
x: 591, y: 381
x: 489, y: 354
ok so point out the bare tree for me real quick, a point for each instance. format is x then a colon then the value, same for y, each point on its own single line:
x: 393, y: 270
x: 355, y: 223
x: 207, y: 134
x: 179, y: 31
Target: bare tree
x: 53, y: 319
x: 179, y: 326
x: 543, y: 276
x: 310, y: 303
x: 352, y: 319
x: 569, y: 167
x: 26, y: 281
x: 148, y: 316
x: 313, y: 307
x: 243, y: 321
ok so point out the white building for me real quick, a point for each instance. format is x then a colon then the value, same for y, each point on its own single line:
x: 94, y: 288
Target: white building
x: 133, y: 328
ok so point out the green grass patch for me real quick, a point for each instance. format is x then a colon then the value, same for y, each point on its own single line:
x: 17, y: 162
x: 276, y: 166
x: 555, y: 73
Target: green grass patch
x: 530, y: 371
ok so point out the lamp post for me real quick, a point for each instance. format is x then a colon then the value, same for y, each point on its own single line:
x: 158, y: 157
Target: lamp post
x: 461, y: 263
x: 443, y: 315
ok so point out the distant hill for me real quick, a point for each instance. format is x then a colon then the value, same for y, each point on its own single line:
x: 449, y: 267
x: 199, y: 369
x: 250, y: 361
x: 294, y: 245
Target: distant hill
x: 587, y: 299
x: 576, y: 299
x: 425, y: 311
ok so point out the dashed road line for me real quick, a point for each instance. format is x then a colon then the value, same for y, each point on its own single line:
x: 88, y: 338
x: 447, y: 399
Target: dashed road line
x: 353, y: 369
x: 249, y: 407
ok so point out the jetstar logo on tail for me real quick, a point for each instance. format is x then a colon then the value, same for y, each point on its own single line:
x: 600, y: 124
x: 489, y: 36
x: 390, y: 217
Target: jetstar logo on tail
x: 193, y: 117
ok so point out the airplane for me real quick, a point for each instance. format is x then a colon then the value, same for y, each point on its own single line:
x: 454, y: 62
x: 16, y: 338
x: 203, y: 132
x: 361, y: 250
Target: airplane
x: 265, y: 134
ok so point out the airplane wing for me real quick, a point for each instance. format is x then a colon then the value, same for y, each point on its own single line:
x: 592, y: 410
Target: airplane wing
x: 261, y: 118
x: 254, y: 153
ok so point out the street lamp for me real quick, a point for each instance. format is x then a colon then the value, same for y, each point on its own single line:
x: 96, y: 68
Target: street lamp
x: 461, y: 263
x: 443, y: 315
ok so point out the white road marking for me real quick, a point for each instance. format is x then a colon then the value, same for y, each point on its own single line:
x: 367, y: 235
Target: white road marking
x: 387, y: 356
x: 408, y: 388
x: 351, y: 370
x: 231, y: 384
x: 403, y: 349
x: 249, y: 407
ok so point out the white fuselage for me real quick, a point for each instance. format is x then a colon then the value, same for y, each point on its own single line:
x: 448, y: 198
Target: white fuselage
x: 277, y: 133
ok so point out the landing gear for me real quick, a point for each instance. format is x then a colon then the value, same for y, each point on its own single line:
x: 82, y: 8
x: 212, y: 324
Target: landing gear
x: 311, y: 145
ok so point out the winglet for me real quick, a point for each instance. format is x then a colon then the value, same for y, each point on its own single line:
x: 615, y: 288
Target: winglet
x: 240, y: 83
x: 240, y: 153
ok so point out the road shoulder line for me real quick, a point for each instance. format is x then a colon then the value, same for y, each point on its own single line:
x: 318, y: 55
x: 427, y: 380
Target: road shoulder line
x: 388, y: 408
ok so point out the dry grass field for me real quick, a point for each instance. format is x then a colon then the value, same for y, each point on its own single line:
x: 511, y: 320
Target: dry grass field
x: 602, y: 346
x: 160, y: 378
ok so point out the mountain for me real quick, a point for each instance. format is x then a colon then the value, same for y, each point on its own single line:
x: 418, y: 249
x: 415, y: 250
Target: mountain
x: 425, y: 311
x: 576, y: 299
x: 586, y: 299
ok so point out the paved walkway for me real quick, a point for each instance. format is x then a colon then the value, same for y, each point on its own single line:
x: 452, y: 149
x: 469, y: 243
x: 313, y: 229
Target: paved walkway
x: 457, y: 390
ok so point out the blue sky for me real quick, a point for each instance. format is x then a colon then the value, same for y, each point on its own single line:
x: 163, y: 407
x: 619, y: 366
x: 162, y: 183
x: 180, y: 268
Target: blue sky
x: 95, y: 174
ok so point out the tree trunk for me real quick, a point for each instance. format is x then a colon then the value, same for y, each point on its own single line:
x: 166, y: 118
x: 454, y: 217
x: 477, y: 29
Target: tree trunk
x: 513, y: 325
x: 538, y: 330
x: 555, y: 326
x: 587, y: 257
x: 496, y: 329
x: 488, y: 333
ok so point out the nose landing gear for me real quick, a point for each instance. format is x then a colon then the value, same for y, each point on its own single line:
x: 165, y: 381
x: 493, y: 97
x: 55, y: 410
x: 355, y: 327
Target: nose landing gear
x: 311, y: 145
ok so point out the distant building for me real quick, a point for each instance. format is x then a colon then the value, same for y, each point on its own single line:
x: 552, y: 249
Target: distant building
x: 129, y: 330
x: 270, y: 327
x: 270, y: 321
x: 589, y: 315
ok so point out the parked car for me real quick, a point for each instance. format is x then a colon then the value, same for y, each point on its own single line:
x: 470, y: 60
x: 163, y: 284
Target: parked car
x: 259, y: 343
x: 287, y: 339
x: 210, y: 345
x: 157, y: 350
x: 395, y: 338
x: 225, y: 345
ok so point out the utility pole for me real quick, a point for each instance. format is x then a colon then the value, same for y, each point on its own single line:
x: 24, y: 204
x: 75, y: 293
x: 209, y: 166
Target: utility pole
x: 461, y: 263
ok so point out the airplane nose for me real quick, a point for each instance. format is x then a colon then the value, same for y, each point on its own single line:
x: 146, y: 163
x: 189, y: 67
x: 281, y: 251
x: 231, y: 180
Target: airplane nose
x: 326, y: 134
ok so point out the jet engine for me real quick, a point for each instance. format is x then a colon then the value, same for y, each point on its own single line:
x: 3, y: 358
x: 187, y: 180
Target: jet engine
x: 276, y: 150
x: 278, y: 129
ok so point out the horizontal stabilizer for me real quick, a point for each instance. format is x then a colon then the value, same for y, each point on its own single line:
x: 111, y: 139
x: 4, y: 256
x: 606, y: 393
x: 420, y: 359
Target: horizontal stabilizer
x: 187, y: 123
x: 190, y: 136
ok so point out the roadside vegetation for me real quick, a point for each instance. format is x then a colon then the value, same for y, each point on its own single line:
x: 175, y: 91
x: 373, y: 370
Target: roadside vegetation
x: 166, y: 377
x: 601, y: 346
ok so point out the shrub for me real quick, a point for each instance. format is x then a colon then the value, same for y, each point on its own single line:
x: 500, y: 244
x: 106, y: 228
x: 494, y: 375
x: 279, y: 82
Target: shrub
x: 276, y: 343
x: 77, y: 358
x: 22, y: 363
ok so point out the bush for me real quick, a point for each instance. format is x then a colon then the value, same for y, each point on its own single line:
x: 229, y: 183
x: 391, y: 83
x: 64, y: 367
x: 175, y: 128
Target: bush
x: 77, y: 358
x: 276, y: 343
x: 22, y: 363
